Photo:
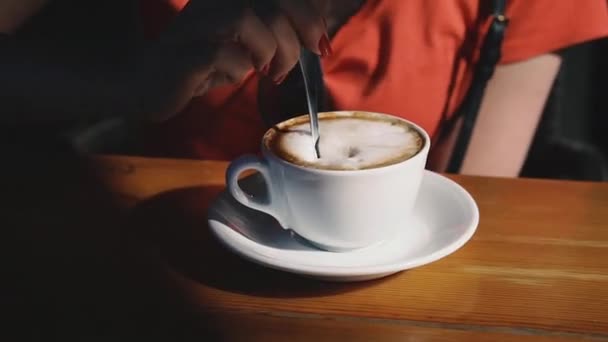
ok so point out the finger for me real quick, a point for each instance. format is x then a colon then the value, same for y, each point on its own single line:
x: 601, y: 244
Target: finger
x: 215, y: 79
x: 288, y: 46
x: 254, y: 35
x: 232, y: 62
x: 229, y: 64
x: 205, y: 82
x: 309, y: 25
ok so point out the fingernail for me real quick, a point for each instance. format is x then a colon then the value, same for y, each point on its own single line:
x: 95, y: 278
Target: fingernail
x: 265, y: 69
x: 325, y: 46
x: 280, y: 79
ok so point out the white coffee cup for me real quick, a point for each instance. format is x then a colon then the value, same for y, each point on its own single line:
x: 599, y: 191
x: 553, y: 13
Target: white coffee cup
x: 336, y: 210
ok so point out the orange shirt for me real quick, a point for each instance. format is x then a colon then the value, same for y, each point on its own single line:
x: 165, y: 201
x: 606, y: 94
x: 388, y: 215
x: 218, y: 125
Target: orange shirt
x: 393, y: 56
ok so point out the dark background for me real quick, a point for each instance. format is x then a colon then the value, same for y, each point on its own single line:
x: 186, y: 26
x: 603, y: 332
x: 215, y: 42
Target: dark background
x: 572, y: 139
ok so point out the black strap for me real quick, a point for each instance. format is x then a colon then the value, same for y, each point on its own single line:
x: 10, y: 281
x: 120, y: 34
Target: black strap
x: 489, y: 56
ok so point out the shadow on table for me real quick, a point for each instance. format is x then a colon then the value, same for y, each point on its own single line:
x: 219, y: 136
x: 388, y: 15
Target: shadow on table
x: 77, y: 267
x: 69, y: 272
x: 175, y: 223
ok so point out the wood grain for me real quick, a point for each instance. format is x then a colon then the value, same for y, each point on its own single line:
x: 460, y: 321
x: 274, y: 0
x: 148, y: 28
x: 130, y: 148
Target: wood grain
x: 536, y: 266
x: 277, y: 326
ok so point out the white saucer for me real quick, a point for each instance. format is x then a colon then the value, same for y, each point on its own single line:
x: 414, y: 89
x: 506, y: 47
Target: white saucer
x: 445, y: 218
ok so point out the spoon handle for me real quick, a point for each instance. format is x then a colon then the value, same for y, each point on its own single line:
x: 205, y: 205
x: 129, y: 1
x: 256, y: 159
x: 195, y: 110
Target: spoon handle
x: 310, y: 64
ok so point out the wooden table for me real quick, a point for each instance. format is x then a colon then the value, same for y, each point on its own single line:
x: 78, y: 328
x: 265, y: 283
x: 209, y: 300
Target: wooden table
x: 138, y: 262
x: 536, y: 270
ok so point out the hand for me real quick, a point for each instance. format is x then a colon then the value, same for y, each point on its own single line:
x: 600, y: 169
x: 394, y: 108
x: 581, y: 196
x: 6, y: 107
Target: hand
x: 214, y: 43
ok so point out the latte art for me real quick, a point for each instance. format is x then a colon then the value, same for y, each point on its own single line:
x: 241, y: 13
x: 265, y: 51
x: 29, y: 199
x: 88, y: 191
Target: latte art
x: 348, y: 143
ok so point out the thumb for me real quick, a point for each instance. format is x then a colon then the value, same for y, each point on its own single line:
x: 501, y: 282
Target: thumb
x: 231, y: 64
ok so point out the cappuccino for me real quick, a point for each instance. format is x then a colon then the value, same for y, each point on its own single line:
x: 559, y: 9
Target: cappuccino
x: 349, y: 141
x: 346, y: 199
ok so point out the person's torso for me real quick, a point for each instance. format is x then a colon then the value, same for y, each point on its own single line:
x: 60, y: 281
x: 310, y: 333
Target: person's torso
x: 397, y: 57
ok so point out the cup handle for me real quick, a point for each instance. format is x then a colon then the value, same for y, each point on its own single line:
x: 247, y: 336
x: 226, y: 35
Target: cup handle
x: 250, y: 162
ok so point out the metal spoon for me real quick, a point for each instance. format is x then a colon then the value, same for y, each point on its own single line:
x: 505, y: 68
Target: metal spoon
x: 310, y: 65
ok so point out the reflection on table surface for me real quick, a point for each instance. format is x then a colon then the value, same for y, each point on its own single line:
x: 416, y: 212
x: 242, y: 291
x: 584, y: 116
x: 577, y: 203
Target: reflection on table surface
x: 118, y: 246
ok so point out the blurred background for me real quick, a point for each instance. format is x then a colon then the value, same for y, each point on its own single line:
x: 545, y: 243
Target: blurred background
x: 572, y: 138
x: 571, y: 142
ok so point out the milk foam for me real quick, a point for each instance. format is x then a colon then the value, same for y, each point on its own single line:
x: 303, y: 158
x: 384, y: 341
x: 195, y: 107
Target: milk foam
x: 351, y: 143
